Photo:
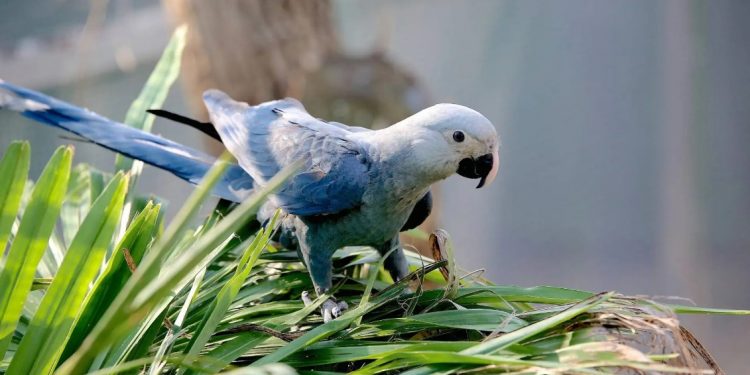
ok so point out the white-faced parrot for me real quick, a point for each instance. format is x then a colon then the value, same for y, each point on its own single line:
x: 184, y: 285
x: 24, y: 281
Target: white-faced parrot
x: 358, y: 187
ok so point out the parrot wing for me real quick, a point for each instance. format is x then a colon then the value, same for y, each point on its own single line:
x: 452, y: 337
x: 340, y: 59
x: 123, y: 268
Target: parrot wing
x: 272, y: 135
x: 184, y: 162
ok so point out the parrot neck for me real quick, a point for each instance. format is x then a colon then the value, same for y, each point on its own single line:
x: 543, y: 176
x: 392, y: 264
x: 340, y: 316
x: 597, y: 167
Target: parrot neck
x: 412, y: 156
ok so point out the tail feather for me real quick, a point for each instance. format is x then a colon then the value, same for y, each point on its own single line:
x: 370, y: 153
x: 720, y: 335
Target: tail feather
x: 184, y: 162
x: 206, y: 128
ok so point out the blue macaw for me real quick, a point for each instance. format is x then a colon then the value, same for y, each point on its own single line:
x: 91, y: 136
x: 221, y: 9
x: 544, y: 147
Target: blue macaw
x: 358, y: 187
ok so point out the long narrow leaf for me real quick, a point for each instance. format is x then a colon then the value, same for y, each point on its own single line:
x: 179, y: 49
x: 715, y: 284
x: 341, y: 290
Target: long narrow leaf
x: 135, y: 242
x: 155, y: 90
x: 136, y: 343
x: 325, y: 330
x: 159, y: 361
x: 44, y: 341
x: 152, y: 95
x: 31, y: 239
x: 229, y: 291
x: 490, y: 346
x: 14, y: 169
x: 152, y: 282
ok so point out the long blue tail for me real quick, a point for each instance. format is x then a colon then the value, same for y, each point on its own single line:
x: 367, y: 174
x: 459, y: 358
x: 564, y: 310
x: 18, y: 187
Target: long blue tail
x: 184, y: 162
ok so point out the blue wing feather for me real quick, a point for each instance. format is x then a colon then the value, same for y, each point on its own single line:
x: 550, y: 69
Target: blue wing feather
x: 185, y: 162
x: 272, y: 135
x: 334, y: 180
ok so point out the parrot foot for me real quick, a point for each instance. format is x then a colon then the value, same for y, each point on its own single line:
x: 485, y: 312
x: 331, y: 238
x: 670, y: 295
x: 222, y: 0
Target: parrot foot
x: 329, y: 310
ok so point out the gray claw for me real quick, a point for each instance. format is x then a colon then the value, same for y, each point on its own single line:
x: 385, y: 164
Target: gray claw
x: 329, y: 310
x: 339, y: 309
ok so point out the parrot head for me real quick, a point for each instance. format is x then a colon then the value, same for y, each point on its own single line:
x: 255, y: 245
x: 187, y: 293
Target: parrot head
x: 459, y: 140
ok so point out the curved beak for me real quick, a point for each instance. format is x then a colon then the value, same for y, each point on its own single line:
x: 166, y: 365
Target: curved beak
x: 484, y: 167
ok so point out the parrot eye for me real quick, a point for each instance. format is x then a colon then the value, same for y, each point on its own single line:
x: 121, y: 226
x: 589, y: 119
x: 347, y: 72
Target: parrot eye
x: 458, y: 136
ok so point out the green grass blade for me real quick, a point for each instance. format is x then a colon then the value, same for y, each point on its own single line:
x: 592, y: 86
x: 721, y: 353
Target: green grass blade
x: 502, y: 295
x: 681, y: 309
x: 153, y: 281
x: 27, y: 248
x: 152, y: 95
x: 44, y: 341
x: 14, y: 169
x: 407, y: 358
x: 229, y: 291
x: 85, y: 184
x: 240, y: 344
x: 76, y: 204
x: 203, y: 362
x: 487, y: 347
x: 326, y: 330
x: 159, y: 361
x: 141, y: 342
x: 167, y: 242
x: 138, y: 340
x: 344, y: 351
x: 470, y: 319
x: 155, y: 91
x: 316, y: 334
x: 368, y: 288
x: 136, y: 241
x: 498, y: 343
x: 115, y: 324
x: 270, y: 369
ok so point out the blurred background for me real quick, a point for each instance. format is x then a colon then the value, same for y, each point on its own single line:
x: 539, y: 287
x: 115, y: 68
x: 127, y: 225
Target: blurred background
x: 625, y: 124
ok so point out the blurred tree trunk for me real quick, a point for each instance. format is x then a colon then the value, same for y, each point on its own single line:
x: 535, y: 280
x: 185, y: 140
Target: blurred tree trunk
x: 259, y: 50
x: 254, y: 50
x: 684, y: 112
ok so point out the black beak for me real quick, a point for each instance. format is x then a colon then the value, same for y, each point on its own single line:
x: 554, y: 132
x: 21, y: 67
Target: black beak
x: 476, y: 168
